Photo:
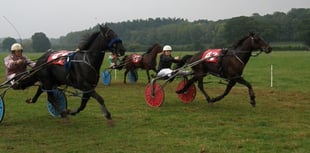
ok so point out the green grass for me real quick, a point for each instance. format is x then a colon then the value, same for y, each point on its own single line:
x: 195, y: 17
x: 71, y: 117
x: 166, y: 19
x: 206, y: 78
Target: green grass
x: 279, y: 124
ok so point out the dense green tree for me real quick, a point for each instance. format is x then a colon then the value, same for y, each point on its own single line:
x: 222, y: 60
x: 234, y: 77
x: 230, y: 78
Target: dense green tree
x: 182, y: 34
x: 40, y: 43
x: 7, y: 43
x: 238, y: 27
x: 304, y: 30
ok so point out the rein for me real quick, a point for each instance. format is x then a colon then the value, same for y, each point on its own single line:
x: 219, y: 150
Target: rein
x: 244, y: 52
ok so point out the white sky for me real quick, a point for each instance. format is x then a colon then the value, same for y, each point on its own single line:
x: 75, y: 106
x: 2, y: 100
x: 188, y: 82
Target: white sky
x: 56, y: 18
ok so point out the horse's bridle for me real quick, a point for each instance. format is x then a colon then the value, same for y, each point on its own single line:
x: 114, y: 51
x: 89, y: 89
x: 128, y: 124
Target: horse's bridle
x: 260, y: 50
x: 112, y: 41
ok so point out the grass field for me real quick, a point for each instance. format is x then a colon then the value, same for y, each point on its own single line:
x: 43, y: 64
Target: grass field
x: 279, y: 123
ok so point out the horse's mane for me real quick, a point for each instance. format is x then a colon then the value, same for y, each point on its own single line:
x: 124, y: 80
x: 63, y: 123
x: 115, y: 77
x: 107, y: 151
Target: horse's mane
x: 239, y: 42
x: 149, y: 50
x: 87, y: 40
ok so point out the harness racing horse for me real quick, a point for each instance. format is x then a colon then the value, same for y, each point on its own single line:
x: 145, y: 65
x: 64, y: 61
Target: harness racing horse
x: 146, y: 61
x: 228, y: 64
x: 81, y: 70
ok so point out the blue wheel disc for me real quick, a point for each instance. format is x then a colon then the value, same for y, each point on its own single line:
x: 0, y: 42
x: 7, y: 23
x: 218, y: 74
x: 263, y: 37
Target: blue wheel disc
x: 2, y: 109
x: 61, y: 100
x: 133, y: 76
x: 106, y: 77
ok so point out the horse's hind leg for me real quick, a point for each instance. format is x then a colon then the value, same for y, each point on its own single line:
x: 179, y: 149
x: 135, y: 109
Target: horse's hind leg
x: 148, y: 76
x: 250, y: 89
x: 229, y: 86
x: 52, y: 99
x: 200, y: 86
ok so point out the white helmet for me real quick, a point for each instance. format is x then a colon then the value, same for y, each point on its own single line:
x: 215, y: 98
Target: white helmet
x: 167, y: 47
x: 16, y: 46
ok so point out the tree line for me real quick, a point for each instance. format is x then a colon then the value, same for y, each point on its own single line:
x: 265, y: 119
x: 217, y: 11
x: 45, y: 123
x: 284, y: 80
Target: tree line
x: 285, y: 31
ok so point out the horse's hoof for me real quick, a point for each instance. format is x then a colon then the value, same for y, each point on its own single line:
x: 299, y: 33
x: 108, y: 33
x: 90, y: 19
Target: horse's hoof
x: 73, y: 113
x: 153, y: 76
x: 29, y: 101
x: 66, y: 120
x: 110, y: 123
x: 180, y: 92
x: 253, y: 104
x: 211, y: 100
x: 68, y: 111
x: 210, y: 104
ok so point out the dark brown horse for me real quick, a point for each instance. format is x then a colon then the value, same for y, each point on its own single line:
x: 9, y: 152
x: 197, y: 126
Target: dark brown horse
x: 229, y: 64
x: 146, y: 61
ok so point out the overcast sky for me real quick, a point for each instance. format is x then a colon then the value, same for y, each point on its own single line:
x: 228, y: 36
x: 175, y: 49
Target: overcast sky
x: 58, y: 17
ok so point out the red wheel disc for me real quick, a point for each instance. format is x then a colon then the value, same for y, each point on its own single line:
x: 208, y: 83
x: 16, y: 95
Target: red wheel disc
x: 189, y: 95
x: 157, y: 98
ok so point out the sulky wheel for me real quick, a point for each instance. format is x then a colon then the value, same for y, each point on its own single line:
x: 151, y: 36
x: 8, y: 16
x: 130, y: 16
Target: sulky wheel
x: 2, y: 109
x: 154, y: 97
x: 189, y: 95
x: 106, y: 77
x: 61, y: 100
x: 132, y: 76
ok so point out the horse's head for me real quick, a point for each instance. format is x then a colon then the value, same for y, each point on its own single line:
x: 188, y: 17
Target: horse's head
x: 157, y: 48
x: 259, y: 43
x: 252, y: 42
x: 113, y: 43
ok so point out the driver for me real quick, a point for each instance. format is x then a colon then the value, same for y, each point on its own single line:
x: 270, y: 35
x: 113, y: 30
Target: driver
x: 165, y: 62
x: 16, y: 62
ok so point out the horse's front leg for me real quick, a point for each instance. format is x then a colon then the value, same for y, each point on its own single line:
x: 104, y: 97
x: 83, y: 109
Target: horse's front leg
x: 250, y: 89
x: 229, y: 86
x: 125, y: 75
x: 36, y: 96
x: 104, y: 109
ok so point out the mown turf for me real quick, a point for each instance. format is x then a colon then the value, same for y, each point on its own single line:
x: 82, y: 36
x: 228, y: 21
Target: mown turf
x: 279, y: 123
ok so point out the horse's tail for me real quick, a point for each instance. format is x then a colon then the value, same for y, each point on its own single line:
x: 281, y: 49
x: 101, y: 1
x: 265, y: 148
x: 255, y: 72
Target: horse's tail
x: 25, y: 81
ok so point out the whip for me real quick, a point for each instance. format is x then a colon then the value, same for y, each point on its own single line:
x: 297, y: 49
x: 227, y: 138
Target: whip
x: 12, y: 25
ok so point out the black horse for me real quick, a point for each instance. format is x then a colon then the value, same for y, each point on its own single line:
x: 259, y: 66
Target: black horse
x: 228, y: 64
x: 81, y: 70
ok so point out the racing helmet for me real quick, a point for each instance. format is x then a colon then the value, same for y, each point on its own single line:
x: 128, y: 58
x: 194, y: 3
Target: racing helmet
x: 167, y: 47
x: 16, y: 46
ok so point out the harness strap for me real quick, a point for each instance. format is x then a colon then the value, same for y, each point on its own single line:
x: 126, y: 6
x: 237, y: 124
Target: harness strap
x: 238, y: 58
x: 85, y: 61
x: 220, y: 62
x: 68, y: 61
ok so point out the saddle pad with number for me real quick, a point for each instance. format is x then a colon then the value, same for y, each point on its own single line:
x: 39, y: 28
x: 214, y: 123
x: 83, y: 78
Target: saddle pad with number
x: 211, y: 55
x: 136, y: 58
x: 57, y: 55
